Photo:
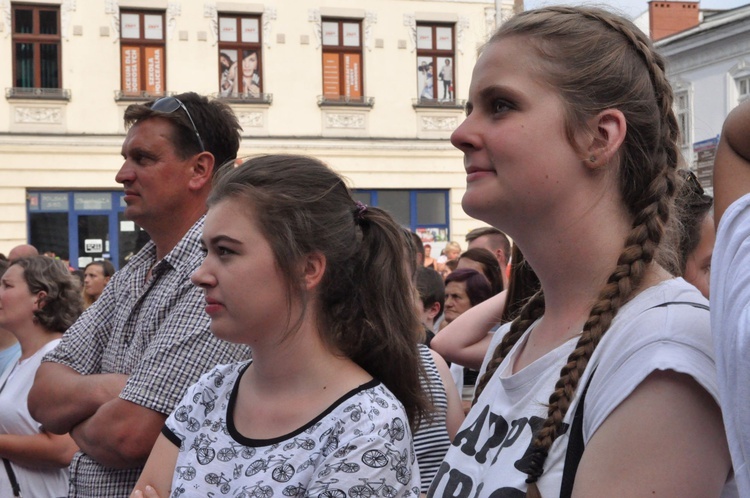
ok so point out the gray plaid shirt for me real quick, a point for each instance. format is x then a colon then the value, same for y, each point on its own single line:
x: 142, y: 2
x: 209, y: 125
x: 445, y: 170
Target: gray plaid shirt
x: 156, y: 332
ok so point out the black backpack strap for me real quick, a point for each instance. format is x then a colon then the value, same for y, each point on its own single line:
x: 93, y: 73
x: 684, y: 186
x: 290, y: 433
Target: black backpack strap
x: 12, y: 478
x: 576, y: 445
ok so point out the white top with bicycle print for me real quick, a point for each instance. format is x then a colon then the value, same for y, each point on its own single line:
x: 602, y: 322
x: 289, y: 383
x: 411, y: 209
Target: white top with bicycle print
x: 360, y: 447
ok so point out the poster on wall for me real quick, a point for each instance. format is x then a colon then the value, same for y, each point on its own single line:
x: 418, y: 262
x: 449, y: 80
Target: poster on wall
x: 435, y: 237
x: 227, y: 73
x: 130, y: 69
x: 445, y: 78
x: 155, y: 70
x: 331, y: 86
x: 353, y: 87
x: 425, y: 78
x: 250, y: 73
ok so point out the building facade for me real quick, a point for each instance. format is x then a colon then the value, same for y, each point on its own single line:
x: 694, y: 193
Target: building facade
x: 373, y: 88
x: 709, y: 69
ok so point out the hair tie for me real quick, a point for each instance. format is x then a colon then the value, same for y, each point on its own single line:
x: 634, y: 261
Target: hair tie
x: 361, y: 209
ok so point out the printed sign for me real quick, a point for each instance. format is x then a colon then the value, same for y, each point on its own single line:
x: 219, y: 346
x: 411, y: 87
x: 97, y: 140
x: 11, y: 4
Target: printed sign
x: 331, y: 86
x: 351, y: 34
x: 353, y: 87
x: 130, y: 26
x: 330, y: 33
x: 154, y: 70
x: 424, y: 37
x: 93, y: 246
x: 154, y: 28
x: 227, y: 29
x: 130, y: 69
x: 250, y: 31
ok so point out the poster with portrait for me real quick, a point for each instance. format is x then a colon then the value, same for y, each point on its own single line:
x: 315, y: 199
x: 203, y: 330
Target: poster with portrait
x: 425, y: 78
x: 250, y: 73
x: 228, y: 72
x: 445, y: 78
x: 435, y: 237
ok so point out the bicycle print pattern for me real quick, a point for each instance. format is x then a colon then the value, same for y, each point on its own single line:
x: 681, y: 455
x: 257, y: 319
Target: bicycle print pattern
x: 361, y: 448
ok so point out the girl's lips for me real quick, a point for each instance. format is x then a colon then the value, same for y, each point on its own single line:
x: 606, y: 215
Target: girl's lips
x: 473, y: 174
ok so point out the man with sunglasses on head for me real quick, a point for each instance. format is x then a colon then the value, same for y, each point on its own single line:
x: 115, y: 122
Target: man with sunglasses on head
x: 123, y: 366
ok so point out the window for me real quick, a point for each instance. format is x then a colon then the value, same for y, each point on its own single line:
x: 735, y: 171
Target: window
x: 142, y: 53
x: 411, y: 208
x: 36, y: 46
x: 240, y: 56
x: 682, y: 112
x: 342, y: 60
x: 435, y: 63
x: 743, y: 88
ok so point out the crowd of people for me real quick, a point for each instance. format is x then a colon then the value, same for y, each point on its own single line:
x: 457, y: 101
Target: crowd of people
x: 278, y: 338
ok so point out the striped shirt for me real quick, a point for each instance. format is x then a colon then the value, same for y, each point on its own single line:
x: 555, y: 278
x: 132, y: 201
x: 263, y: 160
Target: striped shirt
x: 431, y: 440
x: 155, y: 331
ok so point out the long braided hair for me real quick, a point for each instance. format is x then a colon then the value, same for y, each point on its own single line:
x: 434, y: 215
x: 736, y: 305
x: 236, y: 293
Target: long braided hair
x: 598, y: 60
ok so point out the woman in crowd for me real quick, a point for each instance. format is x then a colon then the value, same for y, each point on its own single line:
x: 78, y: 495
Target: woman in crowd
x: 326, y: 404
x: 610, y: 324
x: 464, y: 289
x: 96, y: 275
x: 466, y: 340
x: 39, y: 300
x: 698, y: 233
x: 486, y: 263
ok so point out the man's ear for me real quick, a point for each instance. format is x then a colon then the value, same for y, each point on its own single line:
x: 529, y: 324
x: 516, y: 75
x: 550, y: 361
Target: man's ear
x: 608, y: 129
x: 314, y: 267
x: 202, y: 170
x: 433, y: 310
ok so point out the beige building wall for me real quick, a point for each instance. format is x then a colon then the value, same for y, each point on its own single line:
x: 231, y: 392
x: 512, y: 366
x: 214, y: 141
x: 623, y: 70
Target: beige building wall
x: 74, y: 144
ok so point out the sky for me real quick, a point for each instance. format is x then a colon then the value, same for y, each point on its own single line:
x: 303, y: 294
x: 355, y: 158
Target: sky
x: 632, y: 8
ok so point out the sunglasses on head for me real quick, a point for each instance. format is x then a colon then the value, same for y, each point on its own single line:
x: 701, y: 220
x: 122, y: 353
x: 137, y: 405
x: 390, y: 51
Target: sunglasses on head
x: 169, y: 105
x: 692, y: 181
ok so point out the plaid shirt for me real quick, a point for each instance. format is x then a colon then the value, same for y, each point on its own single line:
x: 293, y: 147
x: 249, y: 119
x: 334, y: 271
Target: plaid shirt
x: 156, y: 332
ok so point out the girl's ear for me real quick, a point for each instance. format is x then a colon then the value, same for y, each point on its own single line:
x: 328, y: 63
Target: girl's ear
x: 314, y: 267
x: 608, y: 129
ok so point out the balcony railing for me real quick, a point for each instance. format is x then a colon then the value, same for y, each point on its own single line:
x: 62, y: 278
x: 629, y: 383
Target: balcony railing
x: 121, y: 95
x: 343, y: 100
x: 439, y: 103
x: 37, y: 93
x: 263, y: 98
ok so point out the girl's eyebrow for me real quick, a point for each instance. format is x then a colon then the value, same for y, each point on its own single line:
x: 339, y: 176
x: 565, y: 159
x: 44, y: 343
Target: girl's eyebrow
x: 221, y: 238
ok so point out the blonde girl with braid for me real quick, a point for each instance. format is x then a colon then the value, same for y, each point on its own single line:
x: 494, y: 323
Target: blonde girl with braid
x: 570, y: 147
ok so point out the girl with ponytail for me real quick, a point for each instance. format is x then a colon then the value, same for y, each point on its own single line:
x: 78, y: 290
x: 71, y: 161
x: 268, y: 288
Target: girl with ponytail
x: 314, y: 283
x: 570, y: 147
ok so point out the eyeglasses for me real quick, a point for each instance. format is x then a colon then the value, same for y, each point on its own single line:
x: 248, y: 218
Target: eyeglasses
x: 169, y: 105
